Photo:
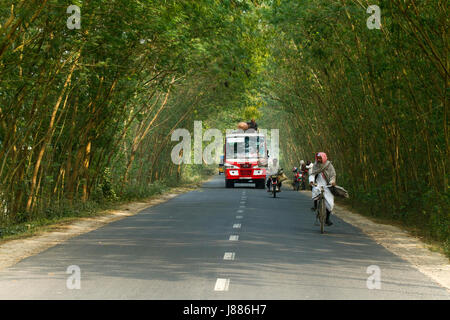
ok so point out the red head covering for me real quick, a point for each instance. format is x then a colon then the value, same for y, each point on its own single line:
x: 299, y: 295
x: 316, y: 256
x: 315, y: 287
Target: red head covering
x: 323, y: 155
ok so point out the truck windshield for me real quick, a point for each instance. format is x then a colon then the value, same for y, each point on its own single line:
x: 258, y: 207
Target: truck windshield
x: 245, y: 147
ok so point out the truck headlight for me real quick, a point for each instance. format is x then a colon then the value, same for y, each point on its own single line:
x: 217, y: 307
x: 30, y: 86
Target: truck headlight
x: 230, y: 166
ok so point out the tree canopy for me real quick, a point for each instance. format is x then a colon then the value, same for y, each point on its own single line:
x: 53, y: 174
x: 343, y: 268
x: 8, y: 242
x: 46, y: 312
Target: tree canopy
x: 86, y: 114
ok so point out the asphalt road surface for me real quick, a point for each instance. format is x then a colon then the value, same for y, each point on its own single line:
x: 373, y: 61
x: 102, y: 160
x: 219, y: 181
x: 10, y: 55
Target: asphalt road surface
x: 217, y: 243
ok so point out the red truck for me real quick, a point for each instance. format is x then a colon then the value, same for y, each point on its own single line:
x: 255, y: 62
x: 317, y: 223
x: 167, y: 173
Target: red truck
x: 245, y: 159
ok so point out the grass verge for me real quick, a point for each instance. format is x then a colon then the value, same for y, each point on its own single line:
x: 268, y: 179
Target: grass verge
x: 413, y: 229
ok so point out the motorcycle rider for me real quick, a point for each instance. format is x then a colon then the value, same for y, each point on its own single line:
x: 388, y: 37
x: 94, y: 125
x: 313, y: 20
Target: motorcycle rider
x: 309, y: 166
x: 304, y: 172
x: 274, y: 170
x: 294, y: 171
x: 323, y: 174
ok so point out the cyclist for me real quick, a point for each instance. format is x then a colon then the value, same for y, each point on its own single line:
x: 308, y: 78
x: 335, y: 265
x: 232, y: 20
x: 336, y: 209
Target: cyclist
x: 323, y: 174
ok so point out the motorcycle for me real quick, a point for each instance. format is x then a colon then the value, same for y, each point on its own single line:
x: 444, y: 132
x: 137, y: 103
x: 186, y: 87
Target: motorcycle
x: 274, y: 185
x: 303, y: 179
x: 275, y: 181
x: 298, y: 180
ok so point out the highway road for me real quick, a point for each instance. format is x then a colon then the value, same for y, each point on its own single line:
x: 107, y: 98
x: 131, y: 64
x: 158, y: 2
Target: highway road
x: 218, y: 243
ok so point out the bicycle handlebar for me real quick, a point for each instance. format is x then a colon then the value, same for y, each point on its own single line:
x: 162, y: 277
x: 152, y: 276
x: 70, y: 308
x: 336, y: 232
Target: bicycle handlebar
x: 328, y: 186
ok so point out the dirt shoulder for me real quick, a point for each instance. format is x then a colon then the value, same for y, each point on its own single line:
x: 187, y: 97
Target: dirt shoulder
x: 433, y: 264
x: 13, y: 251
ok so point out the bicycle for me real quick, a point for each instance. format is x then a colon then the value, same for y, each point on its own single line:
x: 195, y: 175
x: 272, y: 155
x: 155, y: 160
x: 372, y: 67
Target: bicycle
x: 321, y: 209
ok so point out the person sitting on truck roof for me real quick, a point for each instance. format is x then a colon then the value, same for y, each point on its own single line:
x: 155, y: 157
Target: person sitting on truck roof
x: 252, y: 125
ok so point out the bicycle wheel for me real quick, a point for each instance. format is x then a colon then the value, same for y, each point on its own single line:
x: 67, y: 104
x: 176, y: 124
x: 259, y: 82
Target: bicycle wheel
x: 322, y: 214
x: 274, y: 190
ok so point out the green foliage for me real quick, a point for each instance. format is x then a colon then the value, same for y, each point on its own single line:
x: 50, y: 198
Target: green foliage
x: 86, y: 115
x: 374, y: 100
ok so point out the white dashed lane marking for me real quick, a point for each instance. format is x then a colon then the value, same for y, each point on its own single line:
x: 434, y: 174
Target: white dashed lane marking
x: 229, y: 256
x: 222, y: 284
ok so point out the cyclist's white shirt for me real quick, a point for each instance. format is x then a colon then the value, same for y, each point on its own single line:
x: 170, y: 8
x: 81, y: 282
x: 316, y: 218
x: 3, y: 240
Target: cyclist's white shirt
x: 311, y: 165
x: 329, y: 198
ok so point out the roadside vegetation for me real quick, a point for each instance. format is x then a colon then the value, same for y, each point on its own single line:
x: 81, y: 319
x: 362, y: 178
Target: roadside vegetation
x: 376, y: 101
x: 63, y: 213
x: 86, y: 115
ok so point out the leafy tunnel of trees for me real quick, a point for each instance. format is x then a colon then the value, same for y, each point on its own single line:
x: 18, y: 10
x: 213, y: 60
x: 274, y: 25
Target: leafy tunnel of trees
x: 86, y: 115
x: 375, y: 101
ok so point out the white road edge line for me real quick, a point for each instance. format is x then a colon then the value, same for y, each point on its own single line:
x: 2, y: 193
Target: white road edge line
x: 234, y: 238
x: 236, y: 226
